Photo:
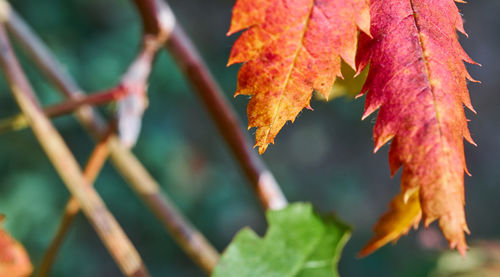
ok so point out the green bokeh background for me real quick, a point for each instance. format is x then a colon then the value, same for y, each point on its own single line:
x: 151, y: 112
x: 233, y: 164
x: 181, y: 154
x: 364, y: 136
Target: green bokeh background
x: 325, y: 157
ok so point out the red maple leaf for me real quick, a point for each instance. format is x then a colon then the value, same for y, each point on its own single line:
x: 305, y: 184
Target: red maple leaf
x: 417, y: 81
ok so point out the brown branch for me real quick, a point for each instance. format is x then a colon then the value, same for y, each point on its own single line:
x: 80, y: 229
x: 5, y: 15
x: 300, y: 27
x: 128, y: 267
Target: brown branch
x: 66, y: 165
x: 190, y: 239
x: 94, y: 165
x: 157, y: 18
x: 191, y: 64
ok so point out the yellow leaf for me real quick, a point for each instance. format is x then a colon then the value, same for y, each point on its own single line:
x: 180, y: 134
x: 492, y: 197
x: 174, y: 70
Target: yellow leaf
x: 402, y: 215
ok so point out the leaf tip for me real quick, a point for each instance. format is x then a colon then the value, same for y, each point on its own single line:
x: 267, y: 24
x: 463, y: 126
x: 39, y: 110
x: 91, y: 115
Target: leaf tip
x: 374, y: 244
x: 369, y: 110
x: 230, y: 62
x: 233, y: 28
x: 381, y: 141
x: 364, y: 252
x: 262, y: 148
x: 461, y: 248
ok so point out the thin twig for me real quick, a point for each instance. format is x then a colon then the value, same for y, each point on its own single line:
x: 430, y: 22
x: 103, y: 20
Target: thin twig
x: 95, y: 99
x: 66, y: 165
x: 94, y: 165
x: 18, y: 122
x: 190, y: 239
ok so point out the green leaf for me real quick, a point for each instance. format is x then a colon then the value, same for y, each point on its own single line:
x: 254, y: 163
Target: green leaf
x: 298, y: 242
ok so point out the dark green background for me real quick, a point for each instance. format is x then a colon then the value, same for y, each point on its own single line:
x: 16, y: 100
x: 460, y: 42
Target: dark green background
x: 325, y: 157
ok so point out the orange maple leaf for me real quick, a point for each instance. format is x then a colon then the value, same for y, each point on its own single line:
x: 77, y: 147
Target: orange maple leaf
x: 14, y: 261
x: 417, y: 81
x: 290, y: 48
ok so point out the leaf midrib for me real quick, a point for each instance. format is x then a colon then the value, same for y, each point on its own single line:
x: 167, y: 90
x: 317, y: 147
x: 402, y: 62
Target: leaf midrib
x: 344, y: 237
x: 292, y: 66
x: 431, y: 88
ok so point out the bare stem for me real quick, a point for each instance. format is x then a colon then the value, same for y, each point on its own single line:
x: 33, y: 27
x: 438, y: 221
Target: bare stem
x: 94, y: 165
x: 99, y: 98
x: 18, y: 122
x: 66, y: 165
x: 190, y: 239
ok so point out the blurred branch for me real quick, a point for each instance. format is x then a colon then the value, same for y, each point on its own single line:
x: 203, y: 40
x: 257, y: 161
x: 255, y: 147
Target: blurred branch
x: 130, y: 92
x: 94, y: 165
x: 66, y: 165
x: 190, y: 239
x: 193, y: 67
x: 131, y: 108
x: 157, y: 18
x: 188, y: 59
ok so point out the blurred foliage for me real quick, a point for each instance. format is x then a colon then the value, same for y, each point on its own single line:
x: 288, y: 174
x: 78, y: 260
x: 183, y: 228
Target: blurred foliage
x: 349, y: 85
x: 96, y: 40
x: 14, y: 260
x: 483, y: 260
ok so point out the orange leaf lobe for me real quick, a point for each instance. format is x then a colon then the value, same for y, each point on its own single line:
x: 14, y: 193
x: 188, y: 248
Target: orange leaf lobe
x: 14, y: 261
